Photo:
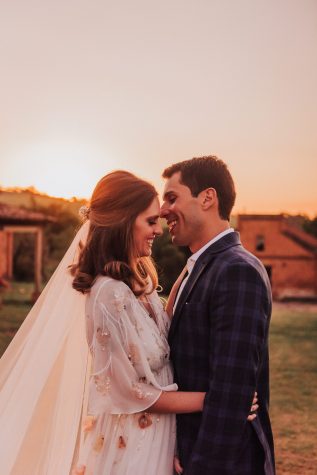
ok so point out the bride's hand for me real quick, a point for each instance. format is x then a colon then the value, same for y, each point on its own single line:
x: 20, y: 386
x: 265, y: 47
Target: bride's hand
x: 254, y: 408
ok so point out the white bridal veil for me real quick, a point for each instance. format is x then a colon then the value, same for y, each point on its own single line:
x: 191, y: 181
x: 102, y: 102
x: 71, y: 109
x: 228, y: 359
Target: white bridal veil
x: 42, y: 379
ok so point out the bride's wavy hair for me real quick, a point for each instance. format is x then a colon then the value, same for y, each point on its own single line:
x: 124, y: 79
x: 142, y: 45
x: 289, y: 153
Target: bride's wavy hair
x: 117, y: 200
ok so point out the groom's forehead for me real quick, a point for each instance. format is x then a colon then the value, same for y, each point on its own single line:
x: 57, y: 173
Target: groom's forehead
x: 173, y: 184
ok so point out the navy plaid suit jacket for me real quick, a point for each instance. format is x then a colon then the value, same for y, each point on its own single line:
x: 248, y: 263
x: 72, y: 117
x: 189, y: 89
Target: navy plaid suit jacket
x: 219, y: 344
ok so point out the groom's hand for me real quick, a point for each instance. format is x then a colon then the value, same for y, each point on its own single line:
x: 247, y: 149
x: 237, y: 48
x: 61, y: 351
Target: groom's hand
x: 177, y: 465
x: 254, y: 407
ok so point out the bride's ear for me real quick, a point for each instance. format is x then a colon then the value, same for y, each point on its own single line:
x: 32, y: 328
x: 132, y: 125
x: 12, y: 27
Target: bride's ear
x: 208, y: 198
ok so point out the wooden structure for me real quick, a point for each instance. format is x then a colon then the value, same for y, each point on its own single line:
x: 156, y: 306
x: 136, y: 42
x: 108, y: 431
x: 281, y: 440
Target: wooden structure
x: 288, y: 253
x: 17, y: 220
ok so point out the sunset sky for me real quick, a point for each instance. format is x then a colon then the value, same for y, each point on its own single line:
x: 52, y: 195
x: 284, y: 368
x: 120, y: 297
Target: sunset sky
x: 91, y: 86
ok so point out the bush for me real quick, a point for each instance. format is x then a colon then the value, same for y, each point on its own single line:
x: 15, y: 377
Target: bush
x: 169, y: 260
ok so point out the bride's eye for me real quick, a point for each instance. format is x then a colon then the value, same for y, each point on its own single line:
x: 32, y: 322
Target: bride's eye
x: 152, y: 221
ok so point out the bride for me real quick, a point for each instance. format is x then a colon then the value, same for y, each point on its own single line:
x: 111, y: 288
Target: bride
x: 108, y: 410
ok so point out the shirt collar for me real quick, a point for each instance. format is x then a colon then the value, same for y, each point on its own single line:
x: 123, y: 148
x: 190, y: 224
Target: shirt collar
x: 193, y: 258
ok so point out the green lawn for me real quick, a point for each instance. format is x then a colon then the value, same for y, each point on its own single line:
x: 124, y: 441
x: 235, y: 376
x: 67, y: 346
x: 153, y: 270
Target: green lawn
x: 293, y: 352
x: 16, y: 305
x: 294, y: 388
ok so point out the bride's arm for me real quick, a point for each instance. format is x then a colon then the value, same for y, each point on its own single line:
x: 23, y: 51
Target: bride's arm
x: 182, y: 402
x: 178, y: 402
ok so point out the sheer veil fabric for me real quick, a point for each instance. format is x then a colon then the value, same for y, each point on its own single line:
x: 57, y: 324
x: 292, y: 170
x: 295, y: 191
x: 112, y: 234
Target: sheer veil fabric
x: 42, y: 379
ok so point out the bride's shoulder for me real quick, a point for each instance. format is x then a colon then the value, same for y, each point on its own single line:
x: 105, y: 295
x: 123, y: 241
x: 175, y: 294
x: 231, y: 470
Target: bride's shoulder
x: 107, y: 286
x: 111, y: 297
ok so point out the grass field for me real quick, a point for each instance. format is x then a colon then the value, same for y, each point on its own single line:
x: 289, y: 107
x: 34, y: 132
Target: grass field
x: 293, y: 346
x: 293, y: 349
x: 16, y: 305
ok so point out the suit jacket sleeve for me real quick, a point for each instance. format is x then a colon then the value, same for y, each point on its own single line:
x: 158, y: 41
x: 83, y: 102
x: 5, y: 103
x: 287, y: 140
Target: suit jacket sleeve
x: 238, y: 315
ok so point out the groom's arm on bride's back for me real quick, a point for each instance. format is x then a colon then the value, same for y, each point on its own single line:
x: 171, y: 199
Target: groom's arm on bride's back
x: 238, y: 315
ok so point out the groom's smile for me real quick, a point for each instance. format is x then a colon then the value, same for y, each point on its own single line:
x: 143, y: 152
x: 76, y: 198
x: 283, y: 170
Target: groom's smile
x: 171, y: 225
x: 181, y: 211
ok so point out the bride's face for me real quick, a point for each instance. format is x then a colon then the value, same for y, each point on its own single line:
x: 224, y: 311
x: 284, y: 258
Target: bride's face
x: 146, y: 227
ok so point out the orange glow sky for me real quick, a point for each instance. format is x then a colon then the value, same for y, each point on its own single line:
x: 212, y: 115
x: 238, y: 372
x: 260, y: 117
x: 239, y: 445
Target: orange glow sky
x: 91, y: 86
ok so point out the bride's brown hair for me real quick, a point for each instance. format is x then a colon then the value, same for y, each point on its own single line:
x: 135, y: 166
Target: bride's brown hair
x: 117, y: 200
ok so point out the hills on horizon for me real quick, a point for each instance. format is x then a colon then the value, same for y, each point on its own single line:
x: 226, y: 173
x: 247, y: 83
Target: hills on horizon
x: 32, y: 199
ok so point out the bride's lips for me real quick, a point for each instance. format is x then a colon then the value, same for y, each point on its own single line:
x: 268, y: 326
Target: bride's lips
x: 150, y: 242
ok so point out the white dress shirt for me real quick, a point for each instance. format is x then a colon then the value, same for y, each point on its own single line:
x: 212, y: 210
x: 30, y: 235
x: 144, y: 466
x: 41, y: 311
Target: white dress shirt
x: 191, y: 261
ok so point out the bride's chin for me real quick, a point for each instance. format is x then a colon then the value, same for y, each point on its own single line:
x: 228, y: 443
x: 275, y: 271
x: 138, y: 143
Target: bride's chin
x: 144, y: 254
x: 148, y: 252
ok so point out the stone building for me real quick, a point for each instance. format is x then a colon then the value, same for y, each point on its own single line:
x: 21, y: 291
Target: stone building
x: 288, y: 253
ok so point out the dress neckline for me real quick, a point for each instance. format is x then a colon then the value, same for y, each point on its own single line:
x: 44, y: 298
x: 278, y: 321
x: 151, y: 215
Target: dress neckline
x: 148, y: 307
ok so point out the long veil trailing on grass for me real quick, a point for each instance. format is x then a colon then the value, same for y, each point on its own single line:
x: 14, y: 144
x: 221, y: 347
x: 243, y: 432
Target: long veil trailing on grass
x: 42, y: 379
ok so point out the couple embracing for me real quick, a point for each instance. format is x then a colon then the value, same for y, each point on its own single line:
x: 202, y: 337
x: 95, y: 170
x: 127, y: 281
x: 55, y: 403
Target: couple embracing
x: 108, y: 407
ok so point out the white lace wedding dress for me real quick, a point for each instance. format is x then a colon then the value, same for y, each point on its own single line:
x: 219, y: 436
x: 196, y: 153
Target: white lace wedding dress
x: 130, y: 367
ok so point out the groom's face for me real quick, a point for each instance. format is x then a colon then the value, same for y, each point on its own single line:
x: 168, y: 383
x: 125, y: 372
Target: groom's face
x: 182, y: 212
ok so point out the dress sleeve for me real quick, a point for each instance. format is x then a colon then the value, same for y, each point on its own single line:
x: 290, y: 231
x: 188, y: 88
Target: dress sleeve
x: 121, y: 380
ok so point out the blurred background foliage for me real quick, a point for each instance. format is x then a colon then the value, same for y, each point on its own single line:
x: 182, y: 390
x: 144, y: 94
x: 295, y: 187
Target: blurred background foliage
x: 169, y: 260
x: 58, y: 235
x: 310, y: 226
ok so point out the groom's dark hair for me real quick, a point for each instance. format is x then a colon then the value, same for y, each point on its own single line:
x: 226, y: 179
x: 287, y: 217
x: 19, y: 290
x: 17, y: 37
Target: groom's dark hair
x: 200, y: 173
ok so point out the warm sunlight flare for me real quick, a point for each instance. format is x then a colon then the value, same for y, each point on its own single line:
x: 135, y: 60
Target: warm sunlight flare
x: 141, y: 86
x: 62, y: 170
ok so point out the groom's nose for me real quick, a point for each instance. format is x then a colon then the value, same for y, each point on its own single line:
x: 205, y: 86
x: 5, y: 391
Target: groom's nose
x: 164, y: 210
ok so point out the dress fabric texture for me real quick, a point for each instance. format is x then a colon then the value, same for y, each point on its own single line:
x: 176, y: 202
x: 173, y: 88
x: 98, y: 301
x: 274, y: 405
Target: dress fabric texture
x: 130, y: 368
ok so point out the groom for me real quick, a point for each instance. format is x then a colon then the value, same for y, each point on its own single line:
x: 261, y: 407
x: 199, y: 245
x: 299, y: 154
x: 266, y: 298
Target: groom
x: 219, y: 331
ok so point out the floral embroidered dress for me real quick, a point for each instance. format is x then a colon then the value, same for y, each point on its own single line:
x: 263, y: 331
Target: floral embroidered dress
x: 130, y: 368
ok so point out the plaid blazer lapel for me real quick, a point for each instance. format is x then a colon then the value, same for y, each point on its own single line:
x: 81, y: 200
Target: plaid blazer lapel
x: 232, y: 239
x: 184, y: 296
